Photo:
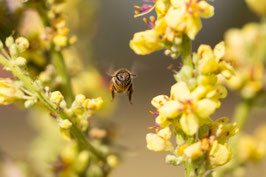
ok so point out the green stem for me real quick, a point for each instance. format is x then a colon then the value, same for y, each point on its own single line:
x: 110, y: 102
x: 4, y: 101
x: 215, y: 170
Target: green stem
x: 188, y: 168
x: 186, y: 51
x: 188, y: 165
x: 60, y: 66
x: 78, y: 135
x: 242, y: 112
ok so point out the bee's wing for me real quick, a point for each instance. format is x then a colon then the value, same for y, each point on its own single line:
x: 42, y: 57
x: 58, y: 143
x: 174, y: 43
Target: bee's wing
x: 137, y: 68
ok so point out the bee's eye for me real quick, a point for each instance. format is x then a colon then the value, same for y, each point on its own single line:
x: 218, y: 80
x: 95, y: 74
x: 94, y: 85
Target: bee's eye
x: 119, y: 77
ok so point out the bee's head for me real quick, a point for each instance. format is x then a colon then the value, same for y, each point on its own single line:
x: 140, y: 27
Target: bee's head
x: 123, y: 76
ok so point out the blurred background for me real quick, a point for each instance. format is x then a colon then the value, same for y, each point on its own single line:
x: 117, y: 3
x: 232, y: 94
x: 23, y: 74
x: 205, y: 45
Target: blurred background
x: 104, y: 43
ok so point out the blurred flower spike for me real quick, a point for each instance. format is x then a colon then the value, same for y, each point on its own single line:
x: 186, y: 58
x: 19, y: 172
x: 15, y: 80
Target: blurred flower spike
x: 258, y: 6
x: 174, y: 19
x: 245, y: 49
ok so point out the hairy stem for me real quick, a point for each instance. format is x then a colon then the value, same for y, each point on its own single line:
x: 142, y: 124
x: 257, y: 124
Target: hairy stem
x: 186, y: 51
x: 59, y: 63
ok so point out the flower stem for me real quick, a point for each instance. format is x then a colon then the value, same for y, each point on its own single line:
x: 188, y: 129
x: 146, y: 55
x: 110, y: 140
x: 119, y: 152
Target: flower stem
x: 28, y: 83
x: 187, y: 168
x: 186, y: 51
x: 187, y: 60
x: 60, y: 66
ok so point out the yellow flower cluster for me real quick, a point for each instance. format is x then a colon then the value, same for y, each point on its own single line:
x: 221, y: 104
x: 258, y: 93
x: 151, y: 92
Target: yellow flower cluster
x: 245, y: 49
x: 175, y: 18
x: 193, y: 99
x: 80, y: 110
x: 57, y: 32
x: 252, y: 147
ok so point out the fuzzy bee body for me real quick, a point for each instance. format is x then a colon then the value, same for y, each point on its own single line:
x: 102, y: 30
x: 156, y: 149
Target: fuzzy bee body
x: 122, y: 82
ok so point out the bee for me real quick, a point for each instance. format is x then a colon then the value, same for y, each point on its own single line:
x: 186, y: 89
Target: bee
x: 122, y: 82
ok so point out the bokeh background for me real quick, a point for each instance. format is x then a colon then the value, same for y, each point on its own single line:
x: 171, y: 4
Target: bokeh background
x: 113, y: 26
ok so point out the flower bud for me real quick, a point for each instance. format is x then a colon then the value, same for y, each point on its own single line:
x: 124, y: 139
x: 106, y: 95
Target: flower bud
x: 93, y: 104
x: 22, y: 44
x: 112, y: 161
x: 63, y: 104
x: 21, y: 62
x: 13, y: 51
x: 64, y: 124
x: 60, y: 41
x: 56, y: 97
x: 29, y: 103
x: 173, y: 160
x: 82, y: 161
x: 79, y: 100
x: 9, y: 41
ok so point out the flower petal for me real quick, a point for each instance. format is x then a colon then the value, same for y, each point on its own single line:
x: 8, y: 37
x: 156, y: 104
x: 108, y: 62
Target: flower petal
x: 189, y: 124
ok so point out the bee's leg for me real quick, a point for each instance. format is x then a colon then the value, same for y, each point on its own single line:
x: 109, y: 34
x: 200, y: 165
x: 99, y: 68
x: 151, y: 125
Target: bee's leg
x: 112, y: 91
x: 129, y: 93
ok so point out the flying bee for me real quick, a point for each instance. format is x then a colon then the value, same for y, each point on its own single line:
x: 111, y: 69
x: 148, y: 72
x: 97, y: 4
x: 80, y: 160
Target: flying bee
x: 122, y: 82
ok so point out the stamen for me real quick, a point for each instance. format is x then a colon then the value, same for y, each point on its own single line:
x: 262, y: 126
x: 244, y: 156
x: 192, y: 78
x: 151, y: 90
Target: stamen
x: 156, y: 127
x: 144, y: 9
x: 150, y: 23
x: 154, y: 113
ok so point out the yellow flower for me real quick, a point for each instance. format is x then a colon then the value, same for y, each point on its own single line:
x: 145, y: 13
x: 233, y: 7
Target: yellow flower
x: 249, y: 148
x: 56, y: 97
x: 9, y: 92
x: 22, y: 44
x: 159, y: 101
x: 194, y: 151
x: 161, y: 7
x: 195, y: 109
x: 223, y: 130
x: 159, y: 141
x: 197, y: 149
x: 145, y: 42
x: 184, y: 15
x: 163, y: 121
x: 259, y: 6
x: 219, y: 154
x: 93, y: 105
x: 171, y: 109
x: 189, y: 123
x: 209, y: 61
x: 192, y: 100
